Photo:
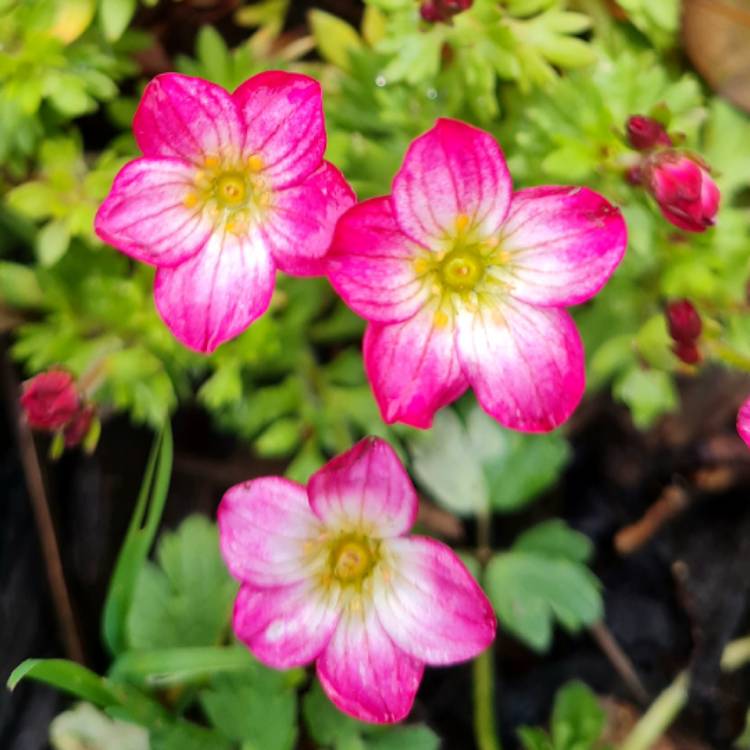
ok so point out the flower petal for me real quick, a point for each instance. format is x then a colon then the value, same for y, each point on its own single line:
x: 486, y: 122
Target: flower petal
x: 430, y: 605
x: 452, y: 170
x: 413, y: 367
x: 298, y: 227
x: 364, y: 673
x: 146, y: 216
x: 564, y: 243
x: 371, y: 264
x: 188, y: 118
x: 283, y: 117
x: 215, y: 295
x: 524, y: 363
x: 263, y: 527
x: 366, y: 485
x: 743, y: 422
x: 287, y: 626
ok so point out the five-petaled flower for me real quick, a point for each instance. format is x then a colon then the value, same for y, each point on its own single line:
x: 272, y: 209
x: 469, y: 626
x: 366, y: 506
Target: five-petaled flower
x: 464, y: 282
x: 328, y: 575
x: 230, y: 188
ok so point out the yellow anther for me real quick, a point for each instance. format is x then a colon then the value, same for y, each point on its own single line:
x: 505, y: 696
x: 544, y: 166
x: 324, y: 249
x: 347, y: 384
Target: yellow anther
x: 211, y: 162
x: 441, y: 319
x: 462, y: 221
x: 190, y: 200
x: 421, y: 265
x: 255, y: 163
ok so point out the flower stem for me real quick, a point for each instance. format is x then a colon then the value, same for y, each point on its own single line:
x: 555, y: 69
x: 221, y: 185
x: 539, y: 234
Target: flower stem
x: 483, y: 667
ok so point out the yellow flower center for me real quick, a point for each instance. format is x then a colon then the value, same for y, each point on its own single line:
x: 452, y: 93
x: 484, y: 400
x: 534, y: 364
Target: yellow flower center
x: 230, y: 189
x: 352, y: 559
x: 462, y: 269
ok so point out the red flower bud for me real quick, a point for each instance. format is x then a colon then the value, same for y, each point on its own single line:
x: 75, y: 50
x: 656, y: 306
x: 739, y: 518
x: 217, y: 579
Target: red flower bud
x: 436, y: 11
x: 77, y: 429
x: 683, y: 321
x: 688, y: 353
x: 683, y: 188
x: 645, y: 133
x: 50, y: 400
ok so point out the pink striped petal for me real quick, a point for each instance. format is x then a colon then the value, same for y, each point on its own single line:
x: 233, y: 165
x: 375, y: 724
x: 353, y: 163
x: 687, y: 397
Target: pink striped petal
x: 263, y: 527
x: 367, y: 485
x: 145, y: 214
x: 299, y: 226
x: 364, y: 673
x: 215, y: 295
x: 283, y: 117
x: 371, y: 264
x: 188, y: 118
x: 287, y: 626
x: 525, y: 364
x: 454, y: 169
x: 743, y: 422
x: 564, y: 243
x: 430, y: 605
x: 413, y: 368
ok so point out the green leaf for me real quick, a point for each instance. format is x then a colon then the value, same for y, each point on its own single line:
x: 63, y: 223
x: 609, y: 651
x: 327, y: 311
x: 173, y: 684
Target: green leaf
x: 327, y: 725
x: 335, y: 38
x: 68, y: 676
x: 647, y: 393
x: 52, y: 242
x: 404, y: 738
x: 114, y: 17
x: 534, y: 739
x: 213, y: 53
x: 257, y: 707
x: 743, y: 741
x: 170, y: 666
x: 186, y: 736
x: 141, y: 533
x: 577, y: 718
x: 542, y: 580
x: 186, y: 599
x: 446, y: 465
x: 280, y: 439
x: 19, y: 286
x: 33, y: 199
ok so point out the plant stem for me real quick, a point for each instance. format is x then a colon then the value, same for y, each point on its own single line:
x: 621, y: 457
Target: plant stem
x: 659, y: 716
x: 736, y: 654
x: 483, y: 667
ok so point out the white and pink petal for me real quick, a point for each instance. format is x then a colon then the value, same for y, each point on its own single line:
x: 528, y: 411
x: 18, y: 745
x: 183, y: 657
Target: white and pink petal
x: 282, y: 115
x: 371, y: 264
x: 148, y: 213
x: 286, y: 626
x: 218, y: 293
x: 188, y: 118
x: 454, y: 170
x: 413, y: 367
x: 299, y: 224
x: 526, y: 364
x: 364, y: 673
x: 563, y: 245
x: 365, y: 488
x: 264, y: 527
x: 429, y: 603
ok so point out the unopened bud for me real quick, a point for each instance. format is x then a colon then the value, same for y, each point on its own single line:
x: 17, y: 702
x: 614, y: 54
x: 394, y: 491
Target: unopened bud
x: 645, y: 133
x: 50, y: 400
x: 688, y: 353
x: 683, y: 321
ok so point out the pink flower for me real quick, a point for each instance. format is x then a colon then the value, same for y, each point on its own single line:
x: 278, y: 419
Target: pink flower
x: 683, y: 188
x: 230, y: 188
x: 328, y: 575
x: 743, y: 422
x: 464, y: 282
x: 50, y: 400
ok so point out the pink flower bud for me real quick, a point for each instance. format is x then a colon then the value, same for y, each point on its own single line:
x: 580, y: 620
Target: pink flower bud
x: 645, y: 133
x: 50, y: 400
x: 683, y: 188
x: 436, y: 11
x: 683, y: 321
x: 77, y: 429
x: 688, y: 353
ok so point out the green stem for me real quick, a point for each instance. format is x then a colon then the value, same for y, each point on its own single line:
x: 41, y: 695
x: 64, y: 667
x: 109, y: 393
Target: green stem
x: 483, y: 667
x: 659, y: 717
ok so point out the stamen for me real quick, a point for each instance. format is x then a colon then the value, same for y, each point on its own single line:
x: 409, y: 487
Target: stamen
x: 462, y: 221
x: 255, y: 163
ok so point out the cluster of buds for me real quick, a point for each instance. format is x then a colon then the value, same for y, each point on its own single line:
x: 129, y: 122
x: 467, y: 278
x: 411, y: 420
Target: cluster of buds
x: 51, y: 402
x: 441, y: 11
x: 685, y: 326
x: 680, y: 182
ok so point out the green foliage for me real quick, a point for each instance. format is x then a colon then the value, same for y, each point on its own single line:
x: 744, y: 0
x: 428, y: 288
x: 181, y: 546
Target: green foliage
x: 332, y: 730
x: 85, y: 726
x: 541, y: 580
x: 186, y: 599
x: 475, y: 465
x: 577, y: 722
